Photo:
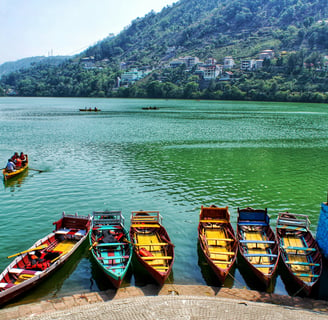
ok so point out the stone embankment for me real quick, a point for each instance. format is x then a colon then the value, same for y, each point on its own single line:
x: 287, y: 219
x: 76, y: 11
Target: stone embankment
x: 172, y: 302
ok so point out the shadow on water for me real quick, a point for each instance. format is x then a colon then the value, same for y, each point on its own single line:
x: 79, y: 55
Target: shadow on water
x: 50, y: 287
x: 208, y: 274
x: 294, y: 289
x: 251, y: 281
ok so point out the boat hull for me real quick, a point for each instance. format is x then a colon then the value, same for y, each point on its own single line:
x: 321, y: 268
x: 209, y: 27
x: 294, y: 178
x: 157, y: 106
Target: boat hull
x: 217, y: 240
x: 300, y: 253
x: 258, y: 245
x: 110, y: 245
x: 10, y: 175
x: 19, y: 277
x: 152, y: 245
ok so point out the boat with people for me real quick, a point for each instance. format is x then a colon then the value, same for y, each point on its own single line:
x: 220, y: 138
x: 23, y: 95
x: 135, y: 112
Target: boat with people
x: 110, y: 245
x: 45, y: 256
x: 15, y: 166
x: 151, y: 244
x: 258, y: 245
x: 299, y: 250
x: 217, y: 240
x: 95, y: 109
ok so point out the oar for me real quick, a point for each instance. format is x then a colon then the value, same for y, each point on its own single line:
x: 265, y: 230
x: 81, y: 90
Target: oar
x: 93, y: 245
x: 29, y: 250
x: 36, y: 170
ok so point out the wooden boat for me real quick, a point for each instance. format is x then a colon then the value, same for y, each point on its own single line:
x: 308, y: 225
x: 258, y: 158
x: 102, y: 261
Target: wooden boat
x: 111, y: 247
x: 8, y: 175
x: 258, y: 244
x: 299, y: 250
x: 217, y: 240
x: 151, y: 244
x: 90, y: 109
x: 31, y: 266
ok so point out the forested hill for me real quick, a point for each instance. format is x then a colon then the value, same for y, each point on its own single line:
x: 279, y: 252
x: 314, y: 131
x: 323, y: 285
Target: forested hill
x: 206, y: 29
x: 220, y: 27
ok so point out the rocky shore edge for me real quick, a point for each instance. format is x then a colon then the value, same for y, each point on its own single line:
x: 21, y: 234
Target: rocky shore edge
x: 67, y: 302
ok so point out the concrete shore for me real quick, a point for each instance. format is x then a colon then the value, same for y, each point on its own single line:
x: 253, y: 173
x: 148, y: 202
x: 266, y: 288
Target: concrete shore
x: 172, y: 302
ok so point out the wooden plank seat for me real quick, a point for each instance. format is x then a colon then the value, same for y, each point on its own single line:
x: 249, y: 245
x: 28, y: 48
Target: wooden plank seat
x: 261, y: 255
x: 116, y: 267
x: 111, y: 244
x: 227, y: 253
x: 252, y: 223
x: 145, y: 225
x: 293, y: 222
x: 113, y: 257
x: 301, y: 263
x: 300, y: 248
x: 157, y: 258
x: 151, y: 244
x: 23, y: 271
x: 214, y: 220
x: 291, y: 228
x: 306, y: 275
x: 257, y: 241
x: 105, y: 227
x: 263, y: 266
x: 220, y: 239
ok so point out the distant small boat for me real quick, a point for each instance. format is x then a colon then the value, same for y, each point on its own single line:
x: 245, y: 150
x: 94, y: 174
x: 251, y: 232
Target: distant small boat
x: 33, y: 265
x: 150, y: 108
x: 111, y: 247
x: 217, y: 240
x: 257, y: 243
x: 152, y: 245
x: 90, y: 109
x: 299, y: 250
x: 8, y: 175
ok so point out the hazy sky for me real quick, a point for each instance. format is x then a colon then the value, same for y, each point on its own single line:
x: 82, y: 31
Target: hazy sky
x: 64, y: 27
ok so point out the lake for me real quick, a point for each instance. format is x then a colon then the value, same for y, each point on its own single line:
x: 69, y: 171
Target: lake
x: 174, y: 159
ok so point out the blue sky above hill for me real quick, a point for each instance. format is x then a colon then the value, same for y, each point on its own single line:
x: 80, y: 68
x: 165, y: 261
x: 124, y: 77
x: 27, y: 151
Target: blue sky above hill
x: 64, y: 27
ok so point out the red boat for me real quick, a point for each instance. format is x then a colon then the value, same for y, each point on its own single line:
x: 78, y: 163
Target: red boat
x: 31, y: 266
x: 217, y: 240
x: 152, y: 245
x: 299, y: 251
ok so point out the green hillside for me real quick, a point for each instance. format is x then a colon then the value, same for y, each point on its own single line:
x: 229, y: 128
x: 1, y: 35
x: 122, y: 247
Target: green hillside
x: 296, y: 30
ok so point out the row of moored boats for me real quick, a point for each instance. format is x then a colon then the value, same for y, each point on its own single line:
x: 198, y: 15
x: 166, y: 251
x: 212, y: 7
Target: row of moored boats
x: 112, y: 247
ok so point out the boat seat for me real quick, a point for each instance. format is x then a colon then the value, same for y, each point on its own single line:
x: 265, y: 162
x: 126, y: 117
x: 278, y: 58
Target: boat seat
x: 111, y: 244
x: 306, y: 275
x: 257, y: 241
x: 151, y: 244
x: 157, y: 258
x: 299, y: 248
x: 116, y: 267
x: 145, y: 225
x: 228, y: 253
x: 261, y: 255
x: 291, y: 228
x: 263, y: 266
x: 303, y: 263
x: 215, y: 220
x: 218, y: 239
x: 252, y: 223
x: 23, y: 271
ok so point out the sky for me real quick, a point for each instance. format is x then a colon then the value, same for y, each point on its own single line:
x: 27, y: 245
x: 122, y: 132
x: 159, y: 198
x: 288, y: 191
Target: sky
x: 64, y: 27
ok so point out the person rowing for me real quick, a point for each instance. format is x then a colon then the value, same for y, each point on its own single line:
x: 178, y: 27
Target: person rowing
x: 10, y: 167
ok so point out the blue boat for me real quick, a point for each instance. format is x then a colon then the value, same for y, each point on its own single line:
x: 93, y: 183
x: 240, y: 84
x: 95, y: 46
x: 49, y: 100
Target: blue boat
x: 110, y: 245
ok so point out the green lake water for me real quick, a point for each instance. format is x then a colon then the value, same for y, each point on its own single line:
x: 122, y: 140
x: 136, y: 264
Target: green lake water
x: 174, y: 159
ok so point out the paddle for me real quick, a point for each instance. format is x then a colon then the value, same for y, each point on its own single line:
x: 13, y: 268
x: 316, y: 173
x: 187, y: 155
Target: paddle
x: 29, y: 250
x: 93, y: 245
x: 36, y: 170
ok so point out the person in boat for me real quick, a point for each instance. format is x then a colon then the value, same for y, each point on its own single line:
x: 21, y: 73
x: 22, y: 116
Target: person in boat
x: 10, y: 167
x: 15, y: 156
x: 18, y: 162
x: 23, y: 158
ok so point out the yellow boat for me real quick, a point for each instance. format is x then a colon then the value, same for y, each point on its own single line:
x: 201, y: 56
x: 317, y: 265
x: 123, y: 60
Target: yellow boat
x: 8, y: 175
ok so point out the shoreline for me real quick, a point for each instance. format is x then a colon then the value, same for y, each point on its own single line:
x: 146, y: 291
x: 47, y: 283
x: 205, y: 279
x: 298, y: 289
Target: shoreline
x: 47, y: 307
